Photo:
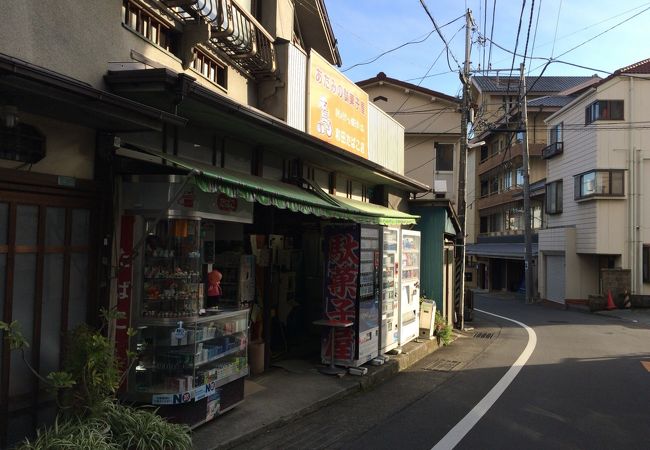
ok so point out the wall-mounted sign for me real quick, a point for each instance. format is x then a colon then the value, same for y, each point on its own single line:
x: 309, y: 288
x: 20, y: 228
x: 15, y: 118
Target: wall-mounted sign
x: 225, y: 203
x: 338, y: 109
x: 151, y: 196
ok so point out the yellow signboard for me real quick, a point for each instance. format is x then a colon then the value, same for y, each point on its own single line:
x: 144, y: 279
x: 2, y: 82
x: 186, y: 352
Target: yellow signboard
x: 338, y: 108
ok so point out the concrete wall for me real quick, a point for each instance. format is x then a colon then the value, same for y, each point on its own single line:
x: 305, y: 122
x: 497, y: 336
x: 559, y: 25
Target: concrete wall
x: 69, y: 150
x: 426, y: 120
x: 80, y: 39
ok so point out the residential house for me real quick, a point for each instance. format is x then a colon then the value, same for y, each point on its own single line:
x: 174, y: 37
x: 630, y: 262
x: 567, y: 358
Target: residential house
x: 597, y: 188
x: 115, y: 110
x: 431, y: 122
x: 495, y: 213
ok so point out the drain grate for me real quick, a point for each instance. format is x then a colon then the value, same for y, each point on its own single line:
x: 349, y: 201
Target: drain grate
x: 443, y: 365
x: 484, y: 335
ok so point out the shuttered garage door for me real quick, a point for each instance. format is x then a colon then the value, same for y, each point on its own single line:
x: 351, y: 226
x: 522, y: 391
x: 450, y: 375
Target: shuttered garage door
x: 555, y: 278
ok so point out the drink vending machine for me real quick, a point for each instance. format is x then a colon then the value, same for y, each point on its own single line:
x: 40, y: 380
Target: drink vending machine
x: 351, y: 292
x: 409, y: 282
x: 389, y: 293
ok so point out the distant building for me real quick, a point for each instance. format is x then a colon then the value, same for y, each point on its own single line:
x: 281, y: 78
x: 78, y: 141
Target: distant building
x: 495, y: 214
x: 431, y: 123
x: 597, y: 188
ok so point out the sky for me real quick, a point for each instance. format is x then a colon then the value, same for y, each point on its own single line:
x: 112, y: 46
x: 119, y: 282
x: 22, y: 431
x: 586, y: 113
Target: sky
x: 365, y: 29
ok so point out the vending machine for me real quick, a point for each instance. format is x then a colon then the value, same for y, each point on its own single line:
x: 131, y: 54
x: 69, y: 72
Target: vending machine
x: 389, y: 329
x: 351, y: 293
x: 409, y: 285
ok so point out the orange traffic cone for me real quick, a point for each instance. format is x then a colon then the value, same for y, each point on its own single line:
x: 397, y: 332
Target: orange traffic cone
x: 610, y: 302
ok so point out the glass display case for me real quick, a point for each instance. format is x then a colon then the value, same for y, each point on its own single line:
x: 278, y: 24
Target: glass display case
x: 172, y: 285
x: 191, y: 363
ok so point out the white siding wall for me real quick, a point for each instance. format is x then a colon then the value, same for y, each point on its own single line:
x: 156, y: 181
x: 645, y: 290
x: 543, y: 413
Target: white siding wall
x: 579, y: 156
x: 297, y: 89
x: 552, y: 239
x: 385, y: 140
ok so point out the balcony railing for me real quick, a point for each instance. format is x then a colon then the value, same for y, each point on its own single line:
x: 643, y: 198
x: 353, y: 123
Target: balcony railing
x: 233, y: 31
x: 551, y: 150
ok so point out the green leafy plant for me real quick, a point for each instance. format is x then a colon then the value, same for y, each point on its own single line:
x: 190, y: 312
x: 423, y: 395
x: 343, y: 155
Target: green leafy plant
x: 86, y: 434
x: 142, y: 429
x: 90, y: 417
x: 442, y: 330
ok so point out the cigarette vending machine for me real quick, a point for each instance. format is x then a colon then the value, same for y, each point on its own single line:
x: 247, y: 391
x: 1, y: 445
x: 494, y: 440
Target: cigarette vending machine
x: 351, y: 292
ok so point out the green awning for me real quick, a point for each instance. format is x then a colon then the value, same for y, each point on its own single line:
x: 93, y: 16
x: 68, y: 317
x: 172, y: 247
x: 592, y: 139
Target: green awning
x: 284, y: 195
x: 386, y: 216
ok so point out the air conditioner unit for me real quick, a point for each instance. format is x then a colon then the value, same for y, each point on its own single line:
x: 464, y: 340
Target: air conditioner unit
x: 440, y: 185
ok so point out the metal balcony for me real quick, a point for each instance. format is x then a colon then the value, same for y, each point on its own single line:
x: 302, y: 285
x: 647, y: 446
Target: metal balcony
x: 551, y: 150
x: 233, y: 31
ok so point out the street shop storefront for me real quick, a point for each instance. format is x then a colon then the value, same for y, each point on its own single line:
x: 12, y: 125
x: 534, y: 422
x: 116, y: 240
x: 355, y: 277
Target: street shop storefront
x: 221, y: 271
x: 52, y: 223
x: 500, y: 266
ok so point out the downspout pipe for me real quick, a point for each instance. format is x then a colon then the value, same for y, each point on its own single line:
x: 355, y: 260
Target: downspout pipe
x: 632, y: 218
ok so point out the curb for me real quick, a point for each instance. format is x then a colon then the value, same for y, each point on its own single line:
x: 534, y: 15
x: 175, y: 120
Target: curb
x: 414, y: 352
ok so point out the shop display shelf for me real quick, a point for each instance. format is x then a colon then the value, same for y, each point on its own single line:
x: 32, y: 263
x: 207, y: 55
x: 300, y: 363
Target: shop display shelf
x: 219, y: 356
x: 145, y: 394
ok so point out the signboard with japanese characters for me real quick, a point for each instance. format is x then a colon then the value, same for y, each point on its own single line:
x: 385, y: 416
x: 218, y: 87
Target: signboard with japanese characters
x: 150, y: 196
x: 342, y: 253
x: 124, y: 289
x: 337, y: 108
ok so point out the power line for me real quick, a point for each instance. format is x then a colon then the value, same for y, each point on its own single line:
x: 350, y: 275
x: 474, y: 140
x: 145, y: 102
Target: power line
x: 532, y: 50
x: 449, y: 52
x: 607, y: 30
x: 388, y: 51
x: 431, y: 76
x: 512, y: 67
x: 530, y: 23
x: 494, y: 8
x: 557, y: 22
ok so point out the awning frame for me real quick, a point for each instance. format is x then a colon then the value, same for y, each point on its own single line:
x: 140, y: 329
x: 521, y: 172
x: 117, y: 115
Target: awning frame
x: 310, y: 200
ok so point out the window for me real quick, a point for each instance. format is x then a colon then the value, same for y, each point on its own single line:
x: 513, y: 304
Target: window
x: 514, y: 219
x: 557, y: 132
x: 554, y: 197
x: 444, y: 157
x: 485, y: 152
x: 145, y: 23
x: 556, y: 145
x: 485, y: 188
x: 210, y: 68
x: 604, y: 110
x: 599, y: 183
x: 519, y: 181
x: 537, y: 217
x: 494, y: 185
x: 646, y: 263
x: 507, y: 180
x: 484, y: 224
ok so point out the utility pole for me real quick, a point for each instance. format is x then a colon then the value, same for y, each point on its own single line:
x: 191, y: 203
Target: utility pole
x: 523, y: 108
x: 459, y: 278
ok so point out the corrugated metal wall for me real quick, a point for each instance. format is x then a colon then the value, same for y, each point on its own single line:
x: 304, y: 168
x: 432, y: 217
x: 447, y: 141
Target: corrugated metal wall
x: 297, y: 89
x: 385, y: 140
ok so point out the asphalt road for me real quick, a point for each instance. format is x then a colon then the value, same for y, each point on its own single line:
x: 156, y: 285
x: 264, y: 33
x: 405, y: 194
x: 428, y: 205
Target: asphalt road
x: 583, y: 387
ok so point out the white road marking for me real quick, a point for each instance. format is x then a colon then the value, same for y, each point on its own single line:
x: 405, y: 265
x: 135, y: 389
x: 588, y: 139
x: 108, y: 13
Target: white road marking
x: 456, y: 434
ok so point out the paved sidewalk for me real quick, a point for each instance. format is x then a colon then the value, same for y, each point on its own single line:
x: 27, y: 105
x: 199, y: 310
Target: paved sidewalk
x: 640, y: 316
x: 292, y: 389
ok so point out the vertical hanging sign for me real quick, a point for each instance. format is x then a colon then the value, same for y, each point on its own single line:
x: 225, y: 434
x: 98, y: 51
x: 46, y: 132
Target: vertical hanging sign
x: 341, y: 285
x: 124, y: 289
